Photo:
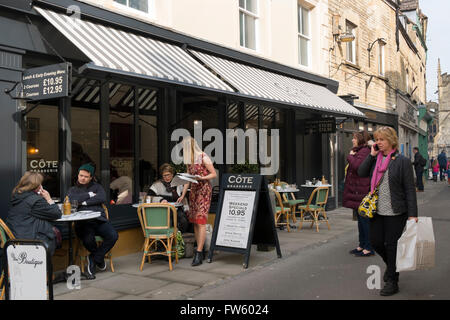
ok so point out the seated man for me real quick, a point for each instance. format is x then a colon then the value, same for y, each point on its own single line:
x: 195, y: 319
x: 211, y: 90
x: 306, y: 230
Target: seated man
x: 90, y: 196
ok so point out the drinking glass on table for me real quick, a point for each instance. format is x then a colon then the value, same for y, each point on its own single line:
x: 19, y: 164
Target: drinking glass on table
x: 73, y: 206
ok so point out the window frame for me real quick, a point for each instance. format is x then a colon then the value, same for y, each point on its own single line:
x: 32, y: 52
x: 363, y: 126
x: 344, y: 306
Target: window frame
x: 353, y: 26
x: 242, y: 28
x: 126, y: 8
x: 303, y: 36
x: 381, y: 58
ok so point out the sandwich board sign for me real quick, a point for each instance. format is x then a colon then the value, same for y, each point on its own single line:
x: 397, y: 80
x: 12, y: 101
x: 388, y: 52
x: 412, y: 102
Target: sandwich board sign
x: 28, y: 264
x: 244, y: 216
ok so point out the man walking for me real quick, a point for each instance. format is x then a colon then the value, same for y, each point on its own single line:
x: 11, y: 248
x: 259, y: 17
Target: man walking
x: 90, y: 196
x: 442, y: 159
x: 419, y: 164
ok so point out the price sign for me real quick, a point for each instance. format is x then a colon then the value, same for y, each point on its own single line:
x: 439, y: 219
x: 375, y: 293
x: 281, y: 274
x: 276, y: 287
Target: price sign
x: 48, y: 82
x: 235, y: 219
x: 245, y: 216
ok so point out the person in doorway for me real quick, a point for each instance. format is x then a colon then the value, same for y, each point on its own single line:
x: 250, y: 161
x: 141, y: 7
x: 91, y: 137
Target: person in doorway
x: 355, y: 190
x: 91, y: 195
x: 397, y: 201
x: 163, y: 189
x: 442, y: 159
x: 33, y: 211
x: 200, y: 165
x: 419, y: 164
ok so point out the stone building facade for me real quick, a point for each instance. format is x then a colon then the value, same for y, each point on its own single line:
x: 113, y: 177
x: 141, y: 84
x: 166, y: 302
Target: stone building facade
x: 384, y: 68
x: 442, y: 138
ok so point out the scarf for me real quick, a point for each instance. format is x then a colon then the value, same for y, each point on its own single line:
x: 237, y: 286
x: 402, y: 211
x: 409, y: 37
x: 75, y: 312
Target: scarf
x: 380, y: 168
x: 171, y: 190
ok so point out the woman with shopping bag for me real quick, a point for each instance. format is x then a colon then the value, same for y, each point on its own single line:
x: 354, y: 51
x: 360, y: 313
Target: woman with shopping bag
x: 392, y: 174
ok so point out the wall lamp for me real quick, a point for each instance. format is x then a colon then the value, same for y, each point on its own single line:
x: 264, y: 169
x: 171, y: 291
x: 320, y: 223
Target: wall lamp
x: 20, y: 96
x: 346, y: 37
x: 370, y: 46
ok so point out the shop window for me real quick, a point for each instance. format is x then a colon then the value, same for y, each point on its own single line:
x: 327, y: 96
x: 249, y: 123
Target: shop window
x: 42, y: 146
x: 304, y: 36
x: 248, y: 20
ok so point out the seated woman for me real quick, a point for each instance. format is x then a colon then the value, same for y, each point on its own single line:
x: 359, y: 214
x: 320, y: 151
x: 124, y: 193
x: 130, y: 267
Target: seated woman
x: 162, y: 188
x: 32, y: 210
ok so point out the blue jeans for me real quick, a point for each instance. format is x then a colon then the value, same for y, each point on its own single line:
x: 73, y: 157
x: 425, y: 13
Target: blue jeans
x: 363, y: 228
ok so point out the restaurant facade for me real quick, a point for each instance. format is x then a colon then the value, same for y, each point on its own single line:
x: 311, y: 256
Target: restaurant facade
x: 130, y: 85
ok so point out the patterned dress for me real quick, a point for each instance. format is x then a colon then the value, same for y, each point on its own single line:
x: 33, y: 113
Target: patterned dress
x: 200, y: 195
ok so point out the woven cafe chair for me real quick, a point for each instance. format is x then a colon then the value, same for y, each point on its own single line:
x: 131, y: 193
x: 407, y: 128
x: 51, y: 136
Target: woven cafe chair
x: 281, y: 210
x: 5, y: 235
x: 155, y: 221
x: 316, y: 210
x: 82, y: 252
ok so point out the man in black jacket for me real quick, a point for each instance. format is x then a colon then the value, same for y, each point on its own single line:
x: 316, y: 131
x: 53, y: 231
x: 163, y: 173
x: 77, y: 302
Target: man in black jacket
x: 90, y: 196
x: 419, y: 163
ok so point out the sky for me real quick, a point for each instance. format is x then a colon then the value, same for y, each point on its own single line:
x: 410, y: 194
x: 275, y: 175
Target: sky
x: 438, y: 41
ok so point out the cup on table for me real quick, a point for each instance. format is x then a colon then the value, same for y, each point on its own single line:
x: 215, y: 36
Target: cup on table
x: 73, y: 206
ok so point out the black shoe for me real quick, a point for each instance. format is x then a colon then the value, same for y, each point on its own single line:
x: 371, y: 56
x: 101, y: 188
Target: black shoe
x: 354, y: 251
x: 198, y: 258
x: 362, y: 254
x: 90, y: 265
x: 101, y: 266
x: 390, y: 288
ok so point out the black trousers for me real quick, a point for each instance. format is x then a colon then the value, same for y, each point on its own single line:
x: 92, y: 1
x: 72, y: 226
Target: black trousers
x: 87, y: 230
x: 419, y: 182
x: 384, y: 234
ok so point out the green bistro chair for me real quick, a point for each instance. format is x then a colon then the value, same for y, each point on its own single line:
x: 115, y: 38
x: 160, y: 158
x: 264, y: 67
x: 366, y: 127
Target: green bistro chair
x: 5, y: 235
x: 155, y: 221
x: 281, y: 210
x: 316, y: 210
x: 292, y: 203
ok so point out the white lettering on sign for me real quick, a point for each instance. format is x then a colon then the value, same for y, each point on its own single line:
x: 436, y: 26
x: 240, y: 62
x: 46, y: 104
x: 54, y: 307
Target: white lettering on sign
x: 239, y: 180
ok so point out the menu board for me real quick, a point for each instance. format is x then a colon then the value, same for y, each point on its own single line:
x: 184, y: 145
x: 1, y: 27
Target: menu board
x: 27, y: 265
x: 235, y: 219
x: 244, y: 217
x: 47, y: 82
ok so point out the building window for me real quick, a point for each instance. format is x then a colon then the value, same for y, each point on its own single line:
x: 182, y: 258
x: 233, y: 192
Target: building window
x: 351, y: 46
x: 304, y: 36
x: 248, y: 18
x: 141, y: 5
x: 381, y: 59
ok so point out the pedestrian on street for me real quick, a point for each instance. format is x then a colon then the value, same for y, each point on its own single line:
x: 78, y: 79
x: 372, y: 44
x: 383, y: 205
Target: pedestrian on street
x: 356, y: 188
x: 419, y: 164
x: 442, y: 159
x: 397, y: 200
x: 200, y: 165
x: 435, y: 167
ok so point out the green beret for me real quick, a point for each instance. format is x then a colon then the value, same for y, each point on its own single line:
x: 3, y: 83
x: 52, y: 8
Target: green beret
x: 87, y: 167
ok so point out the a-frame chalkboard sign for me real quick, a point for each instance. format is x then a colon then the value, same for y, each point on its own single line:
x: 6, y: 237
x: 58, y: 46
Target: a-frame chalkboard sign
x: 244, y: 216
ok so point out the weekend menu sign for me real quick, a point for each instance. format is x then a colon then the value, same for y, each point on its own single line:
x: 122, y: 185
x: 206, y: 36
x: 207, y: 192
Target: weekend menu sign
x: 47, y: 82
x: 244, y: 217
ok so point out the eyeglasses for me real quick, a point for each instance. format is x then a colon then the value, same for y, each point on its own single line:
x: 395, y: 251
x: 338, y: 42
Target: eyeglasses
x: 167, y: 175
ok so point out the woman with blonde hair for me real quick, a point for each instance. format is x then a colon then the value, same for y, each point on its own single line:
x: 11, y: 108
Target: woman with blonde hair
x: 200, y: 165
x: 392, y: 174
x: 32, y: 210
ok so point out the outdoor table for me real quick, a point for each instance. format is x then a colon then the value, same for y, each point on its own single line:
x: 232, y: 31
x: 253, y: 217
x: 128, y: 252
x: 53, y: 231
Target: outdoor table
x: 77, y: 216
x: 291, y: 206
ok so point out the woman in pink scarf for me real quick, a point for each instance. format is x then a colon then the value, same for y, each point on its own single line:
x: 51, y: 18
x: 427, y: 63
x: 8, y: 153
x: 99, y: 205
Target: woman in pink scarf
x: 393, y: 174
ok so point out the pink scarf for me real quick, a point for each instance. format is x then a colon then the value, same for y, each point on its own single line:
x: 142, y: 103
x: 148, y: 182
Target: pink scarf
x: 380, y: 169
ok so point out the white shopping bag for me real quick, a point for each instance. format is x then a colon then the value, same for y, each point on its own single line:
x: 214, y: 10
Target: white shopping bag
x: 416, y: 246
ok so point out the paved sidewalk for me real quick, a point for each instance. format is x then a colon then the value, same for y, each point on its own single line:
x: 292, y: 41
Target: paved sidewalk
x: 185, y: 281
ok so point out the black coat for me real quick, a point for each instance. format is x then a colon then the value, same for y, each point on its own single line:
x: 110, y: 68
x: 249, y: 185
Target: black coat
x: 417, y: 162
x: 30, y: 217
x: 81, y: 194
x: 401, y: 182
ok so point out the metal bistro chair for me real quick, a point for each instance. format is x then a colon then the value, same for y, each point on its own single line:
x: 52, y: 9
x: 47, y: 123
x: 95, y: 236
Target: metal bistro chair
x: 316, y: 210
x: 155, y: 221
x: 82, y: 252
x: 5, y: 235
x: 281, y: 210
